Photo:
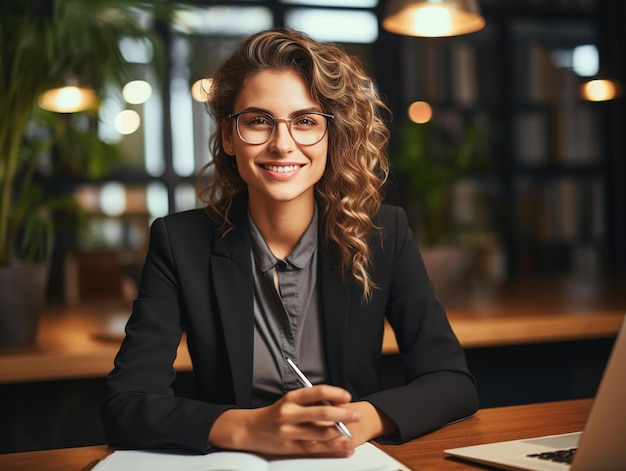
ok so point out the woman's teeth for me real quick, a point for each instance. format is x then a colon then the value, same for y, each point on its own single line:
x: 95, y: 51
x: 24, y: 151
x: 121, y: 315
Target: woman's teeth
x: 282, y: 168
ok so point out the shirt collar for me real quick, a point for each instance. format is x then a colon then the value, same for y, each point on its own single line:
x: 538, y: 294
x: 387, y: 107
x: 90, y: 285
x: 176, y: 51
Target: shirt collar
x: 301, y: 254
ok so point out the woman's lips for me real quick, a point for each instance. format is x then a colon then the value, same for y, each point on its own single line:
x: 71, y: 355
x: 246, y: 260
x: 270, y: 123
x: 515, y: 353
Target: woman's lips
x: 282, y: 171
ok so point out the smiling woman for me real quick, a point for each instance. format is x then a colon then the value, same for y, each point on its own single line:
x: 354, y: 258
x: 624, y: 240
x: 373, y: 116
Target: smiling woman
x: 293, y: 256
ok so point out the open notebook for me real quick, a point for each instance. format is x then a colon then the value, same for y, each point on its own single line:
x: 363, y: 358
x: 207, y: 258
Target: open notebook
x: 601, y: 447
x: 366, y: 457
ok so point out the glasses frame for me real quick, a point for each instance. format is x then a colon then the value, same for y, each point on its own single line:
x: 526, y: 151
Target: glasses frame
x: 287, y: 121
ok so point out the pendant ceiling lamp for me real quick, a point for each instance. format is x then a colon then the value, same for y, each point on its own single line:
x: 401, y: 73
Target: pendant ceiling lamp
x: 433, y: 18
x: 600, y: 89
x: 69, y: 99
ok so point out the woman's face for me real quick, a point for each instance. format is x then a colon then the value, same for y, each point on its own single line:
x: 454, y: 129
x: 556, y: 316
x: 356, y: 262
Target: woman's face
x: 279, y: 170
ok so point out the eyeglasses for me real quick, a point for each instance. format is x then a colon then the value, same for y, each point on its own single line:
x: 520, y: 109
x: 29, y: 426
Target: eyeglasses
x: 256, y: 127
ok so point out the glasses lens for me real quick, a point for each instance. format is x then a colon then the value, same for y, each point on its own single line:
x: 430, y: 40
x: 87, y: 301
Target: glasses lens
x: 306, y: 128
x: 254, y: 128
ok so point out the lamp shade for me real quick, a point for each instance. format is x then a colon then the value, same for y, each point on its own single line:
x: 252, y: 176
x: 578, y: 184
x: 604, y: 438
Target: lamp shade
x: 68, y: 99
x: 600, y: 89
x: 433, y: 18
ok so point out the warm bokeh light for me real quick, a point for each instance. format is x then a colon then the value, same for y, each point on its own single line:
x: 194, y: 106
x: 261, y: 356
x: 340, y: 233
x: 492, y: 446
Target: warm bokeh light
x: 420, y: 112
x: 434, y: 18
x: 600, y: 90
x: 201, y: 89
x: 88, y: 197
x: 137, y: 92
x: 127, y: 122
x: 70, y: 99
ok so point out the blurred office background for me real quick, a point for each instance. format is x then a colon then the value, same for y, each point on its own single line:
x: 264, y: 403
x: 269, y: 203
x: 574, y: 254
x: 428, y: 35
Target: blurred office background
x: 544, y: 194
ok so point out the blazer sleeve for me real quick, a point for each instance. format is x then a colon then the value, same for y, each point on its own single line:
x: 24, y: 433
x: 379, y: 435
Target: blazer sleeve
x: 439, y: 388
x: 141, y: 410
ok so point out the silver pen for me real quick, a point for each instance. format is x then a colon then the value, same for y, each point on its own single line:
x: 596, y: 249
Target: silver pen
x: 307, y: 384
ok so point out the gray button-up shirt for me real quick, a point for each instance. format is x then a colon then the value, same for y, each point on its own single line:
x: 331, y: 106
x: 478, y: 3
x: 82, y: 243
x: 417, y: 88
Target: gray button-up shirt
x: 287, y: 316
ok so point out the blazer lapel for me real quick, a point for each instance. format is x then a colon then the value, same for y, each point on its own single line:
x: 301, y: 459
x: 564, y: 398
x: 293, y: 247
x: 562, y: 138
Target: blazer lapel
x: 335, y: 296
x: 231, y: 270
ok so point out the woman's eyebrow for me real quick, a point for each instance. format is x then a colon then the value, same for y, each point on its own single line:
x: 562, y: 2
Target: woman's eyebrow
x: 306, y: 110
x: 254, y: 109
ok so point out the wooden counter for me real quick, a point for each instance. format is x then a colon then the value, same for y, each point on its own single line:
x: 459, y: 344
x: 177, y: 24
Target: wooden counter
x: 82, y: 341
x: 77, y: 342
x: 526, y: 312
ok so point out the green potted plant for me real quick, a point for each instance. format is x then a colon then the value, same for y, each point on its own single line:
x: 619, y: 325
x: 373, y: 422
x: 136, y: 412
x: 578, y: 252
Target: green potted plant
x: 42, y: 45
x: 431, y: 163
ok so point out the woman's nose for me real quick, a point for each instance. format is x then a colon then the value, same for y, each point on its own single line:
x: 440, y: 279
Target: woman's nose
x: 281, y: 139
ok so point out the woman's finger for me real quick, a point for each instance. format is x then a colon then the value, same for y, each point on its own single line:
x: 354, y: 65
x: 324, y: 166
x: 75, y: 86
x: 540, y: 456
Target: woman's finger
x: 318, y: 394
x: 337, y: 448
x: 324, y: 415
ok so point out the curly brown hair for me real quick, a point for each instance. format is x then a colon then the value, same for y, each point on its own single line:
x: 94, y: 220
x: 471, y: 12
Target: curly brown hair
x: 350, y: 191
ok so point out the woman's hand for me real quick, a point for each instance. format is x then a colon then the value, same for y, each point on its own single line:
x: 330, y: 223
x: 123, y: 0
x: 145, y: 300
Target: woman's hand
x: 296, y: 424
x: 373, y: 423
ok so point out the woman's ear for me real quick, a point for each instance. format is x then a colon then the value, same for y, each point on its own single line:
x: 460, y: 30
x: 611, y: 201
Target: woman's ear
x: 227, y: 138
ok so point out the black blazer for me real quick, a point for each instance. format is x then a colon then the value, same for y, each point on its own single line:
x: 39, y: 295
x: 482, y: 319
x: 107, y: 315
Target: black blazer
x: 197, y: 281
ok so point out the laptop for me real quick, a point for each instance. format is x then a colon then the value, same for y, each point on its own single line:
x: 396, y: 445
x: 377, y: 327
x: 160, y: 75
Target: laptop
x: 601, y: 447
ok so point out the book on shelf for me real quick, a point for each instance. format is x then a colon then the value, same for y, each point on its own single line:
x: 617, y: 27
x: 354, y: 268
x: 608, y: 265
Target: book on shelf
x: 564, y: 209
x: 533, y: 213
x: 532, y: 137
x: 576, y: 135
x: 367, y: 457
x: 464, y: 74
x: 568, y: 210
x: 541, y: 83
x: 568, y: 136
x: 424, y: 74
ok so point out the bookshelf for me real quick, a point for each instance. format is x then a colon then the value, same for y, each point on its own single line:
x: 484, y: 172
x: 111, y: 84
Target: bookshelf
x: 558, y: 192
x: 555, y: 171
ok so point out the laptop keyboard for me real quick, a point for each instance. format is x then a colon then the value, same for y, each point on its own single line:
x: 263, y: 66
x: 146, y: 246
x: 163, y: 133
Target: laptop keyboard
x: 558, y: 456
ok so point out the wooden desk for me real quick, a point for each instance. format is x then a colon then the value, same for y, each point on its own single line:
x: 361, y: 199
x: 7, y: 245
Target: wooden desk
x: 424, y: 453
x: 491, y: 425
x: 71, y: 346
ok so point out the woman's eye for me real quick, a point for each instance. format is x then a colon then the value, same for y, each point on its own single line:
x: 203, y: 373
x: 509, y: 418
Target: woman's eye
x: 259, y: 121
x: 305, y: 121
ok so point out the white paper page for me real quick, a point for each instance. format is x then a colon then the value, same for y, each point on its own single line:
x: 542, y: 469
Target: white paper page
x: 130, y: 460
x: 366, y: 457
